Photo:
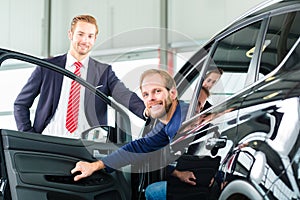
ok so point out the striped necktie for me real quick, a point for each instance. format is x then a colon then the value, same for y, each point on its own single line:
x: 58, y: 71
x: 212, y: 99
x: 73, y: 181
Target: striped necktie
x: 73, y: 102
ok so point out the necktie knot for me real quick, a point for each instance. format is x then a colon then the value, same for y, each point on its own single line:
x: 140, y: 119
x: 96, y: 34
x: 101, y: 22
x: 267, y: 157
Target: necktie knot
x: 78, y: 65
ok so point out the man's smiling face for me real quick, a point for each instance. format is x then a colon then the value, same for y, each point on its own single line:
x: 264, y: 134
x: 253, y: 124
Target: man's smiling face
x: 82, y: 39
x: 156, y: 96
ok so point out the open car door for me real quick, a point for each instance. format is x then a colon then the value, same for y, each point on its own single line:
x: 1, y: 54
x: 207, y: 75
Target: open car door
x: 37, y: 166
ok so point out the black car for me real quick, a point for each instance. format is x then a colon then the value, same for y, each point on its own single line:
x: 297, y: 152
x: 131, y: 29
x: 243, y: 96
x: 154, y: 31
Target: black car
x: 246, y: 142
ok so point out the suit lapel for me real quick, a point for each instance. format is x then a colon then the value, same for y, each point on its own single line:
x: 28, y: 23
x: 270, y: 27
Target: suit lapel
x: 61, y: 62
x: 89, y: 97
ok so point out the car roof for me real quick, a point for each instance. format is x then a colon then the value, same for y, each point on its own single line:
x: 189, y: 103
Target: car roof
x: 264, y: 7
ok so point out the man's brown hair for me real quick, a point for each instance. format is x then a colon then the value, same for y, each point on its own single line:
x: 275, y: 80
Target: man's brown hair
x: 216, y: 70
x: 84, y: 18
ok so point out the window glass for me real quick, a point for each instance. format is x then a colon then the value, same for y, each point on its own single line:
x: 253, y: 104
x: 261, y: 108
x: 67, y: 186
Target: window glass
x: 181, y: 59
x: 232, y: 57
x: 282, y: 33
x: 187, y: 82
x: 191, y: 84
x: 13, y: 76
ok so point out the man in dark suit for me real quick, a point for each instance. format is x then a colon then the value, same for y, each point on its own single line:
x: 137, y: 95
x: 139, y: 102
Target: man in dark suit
x: 53, y: 89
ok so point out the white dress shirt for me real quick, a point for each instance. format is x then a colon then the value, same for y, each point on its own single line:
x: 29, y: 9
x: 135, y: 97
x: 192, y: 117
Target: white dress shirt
x: 57, y: 125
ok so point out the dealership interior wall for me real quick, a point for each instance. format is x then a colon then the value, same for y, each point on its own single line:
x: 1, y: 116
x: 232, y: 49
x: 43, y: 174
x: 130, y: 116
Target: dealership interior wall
x: 133, y: 33
x: 39, y: 27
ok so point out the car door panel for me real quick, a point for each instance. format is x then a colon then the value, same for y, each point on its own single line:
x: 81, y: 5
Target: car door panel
x: 38, y: 167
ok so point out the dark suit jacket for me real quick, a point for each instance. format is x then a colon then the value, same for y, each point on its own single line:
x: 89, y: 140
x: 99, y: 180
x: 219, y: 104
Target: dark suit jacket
x: 47, y: 83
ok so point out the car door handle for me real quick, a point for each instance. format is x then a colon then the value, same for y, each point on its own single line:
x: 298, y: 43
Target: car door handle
x: 95, y: 179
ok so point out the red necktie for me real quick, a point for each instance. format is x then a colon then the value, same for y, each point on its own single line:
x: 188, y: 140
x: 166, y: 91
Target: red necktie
x: 73, y: 103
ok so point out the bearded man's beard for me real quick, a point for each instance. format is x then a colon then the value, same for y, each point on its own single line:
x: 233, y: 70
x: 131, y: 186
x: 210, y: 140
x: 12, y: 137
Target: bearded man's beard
x: 163, y: 112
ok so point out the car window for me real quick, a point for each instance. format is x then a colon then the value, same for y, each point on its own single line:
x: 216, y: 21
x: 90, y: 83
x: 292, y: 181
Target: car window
x: 232, y: 54
x: 13, y: 76
x: 281, y: 35
x: 191, y: 85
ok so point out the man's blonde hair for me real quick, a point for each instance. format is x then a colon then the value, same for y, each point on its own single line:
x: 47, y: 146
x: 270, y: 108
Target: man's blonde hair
x: 167, y: 78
